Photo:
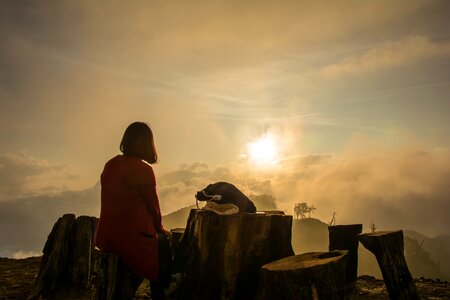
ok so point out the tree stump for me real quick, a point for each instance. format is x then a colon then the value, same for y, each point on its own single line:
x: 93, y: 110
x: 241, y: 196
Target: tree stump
x: 221, y: 255
x: 313, y: 275
x: 388, y: 249
x: 66, y: 262
x: 72, y: 268
x: 345, y: 237
x: 114, y: 279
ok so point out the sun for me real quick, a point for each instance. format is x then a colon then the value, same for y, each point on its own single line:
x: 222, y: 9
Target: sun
x: 263, y: 151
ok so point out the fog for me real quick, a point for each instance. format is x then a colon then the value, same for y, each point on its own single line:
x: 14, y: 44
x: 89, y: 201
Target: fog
x: 401, y: 189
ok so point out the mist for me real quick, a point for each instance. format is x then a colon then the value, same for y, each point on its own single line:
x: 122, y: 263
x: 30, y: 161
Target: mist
x: 398, y: 189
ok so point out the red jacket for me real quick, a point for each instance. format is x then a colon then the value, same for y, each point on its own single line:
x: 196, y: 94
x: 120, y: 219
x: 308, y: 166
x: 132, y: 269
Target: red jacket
x: 130, y: 216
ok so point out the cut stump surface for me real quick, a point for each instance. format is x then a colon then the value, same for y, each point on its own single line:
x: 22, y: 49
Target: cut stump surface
x: 314, y: 275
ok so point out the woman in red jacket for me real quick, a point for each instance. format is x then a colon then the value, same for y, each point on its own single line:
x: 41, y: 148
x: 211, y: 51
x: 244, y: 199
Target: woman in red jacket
x: 130, y: 217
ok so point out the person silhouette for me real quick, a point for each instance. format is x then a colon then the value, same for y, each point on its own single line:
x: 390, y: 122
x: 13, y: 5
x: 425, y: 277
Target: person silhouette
x: 130, y: 222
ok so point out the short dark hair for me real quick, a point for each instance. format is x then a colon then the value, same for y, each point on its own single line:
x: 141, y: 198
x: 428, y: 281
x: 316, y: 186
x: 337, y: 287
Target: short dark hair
x: 136, y: 132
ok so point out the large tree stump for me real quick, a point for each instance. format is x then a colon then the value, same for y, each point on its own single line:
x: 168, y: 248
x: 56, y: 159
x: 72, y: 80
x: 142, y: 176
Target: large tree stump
x: 72, y: 268
x: 66, y: 261
x: 345, y: 237
x: 313, y: 275
x: 221, y: 255
x: 388, y: 249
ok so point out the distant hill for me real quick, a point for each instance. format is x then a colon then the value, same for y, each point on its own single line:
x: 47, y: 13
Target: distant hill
x: 177, y: 219
x: 437, y: 247
x: 419, y: 261
x: 415, y: 235
x: 309, y: 235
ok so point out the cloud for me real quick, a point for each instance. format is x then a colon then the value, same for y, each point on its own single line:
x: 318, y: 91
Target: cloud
x: 177, y: 189
x: 22, y: 174
x: 397, y: 189
x: 24, y: 254
x: 196, y: 71
x: 406, y: 51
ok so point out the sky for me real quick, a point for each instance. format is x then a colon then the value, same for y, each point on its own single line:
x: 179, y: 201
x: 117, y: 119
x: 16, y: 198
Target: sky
x: 351, y: 98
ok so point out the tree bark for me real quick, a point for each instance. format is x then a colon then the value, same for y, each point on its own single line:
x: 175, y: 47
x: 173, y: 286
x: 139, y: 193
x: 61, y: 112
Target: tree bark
x: 83, y: 263
x: 345, y: 237
x: 70, y: 264
x: 221, y: 255
x: 313, y: 275
x: 114, y: 279
x: 388, y: 249
x: 56, y: 267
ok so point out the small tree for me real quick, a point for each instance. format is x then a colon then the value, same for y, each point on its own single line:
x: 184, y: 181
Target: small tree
x: 301, y: 209
x: 310, y: 210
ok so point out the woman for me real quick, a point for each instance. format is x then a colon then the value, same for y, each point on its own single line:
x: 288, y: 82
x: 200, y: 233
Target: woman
x: 130, y: 217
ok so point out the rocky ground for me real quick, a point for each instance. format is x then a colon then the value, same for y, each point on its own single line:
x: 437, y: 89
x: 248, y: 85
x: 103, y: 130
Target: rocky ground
x: 16, y: 277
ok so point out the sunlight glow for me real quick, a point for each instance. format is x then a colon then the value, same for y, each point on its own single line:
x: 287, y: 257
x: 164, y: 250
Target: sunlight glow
x: 263, y: 151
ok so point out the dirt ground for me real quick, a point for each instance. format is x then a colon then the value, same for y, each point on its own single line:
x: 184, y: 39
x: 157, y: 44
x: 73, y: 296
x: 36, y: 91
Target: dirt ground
x: 16, y: 278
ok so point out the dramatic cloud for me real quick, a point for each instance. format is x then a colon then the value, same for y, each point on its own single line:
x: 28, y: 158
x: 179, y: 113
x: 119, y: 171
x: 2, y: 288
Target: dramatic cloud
x: 209, y: 74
